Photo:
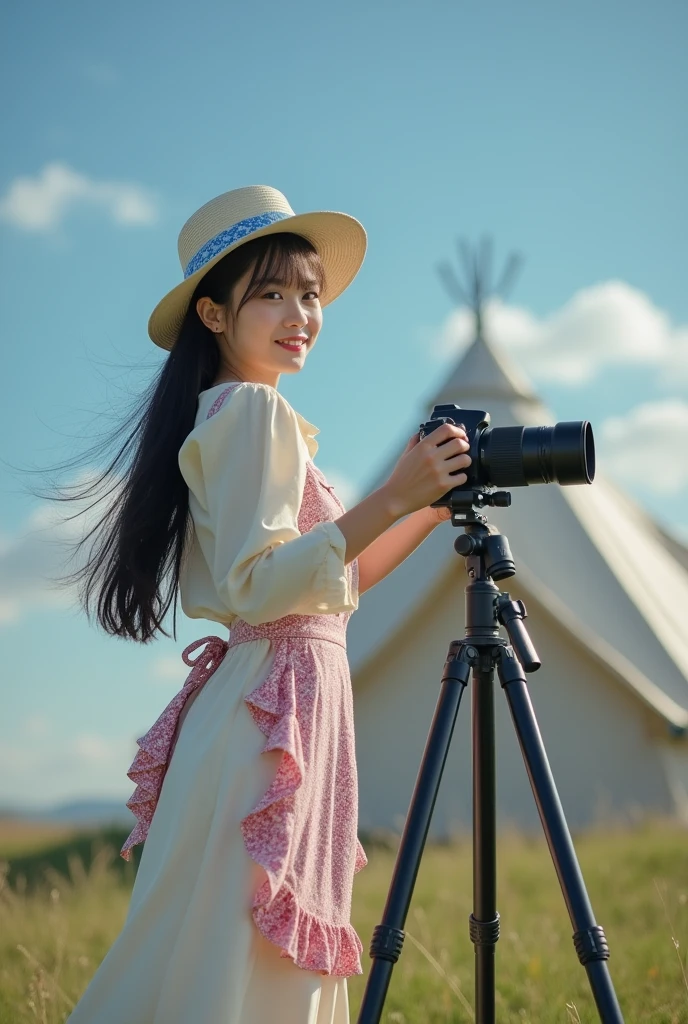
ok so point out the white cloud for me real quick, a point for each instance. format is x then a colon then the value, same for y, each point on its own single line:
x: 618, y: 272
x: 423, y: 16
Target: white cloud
x: 602, y: 326
x: 43, y: 760
x: 648, y: 444
x: 42, y: 203
x: 29, y: 566
x: 39, y: 554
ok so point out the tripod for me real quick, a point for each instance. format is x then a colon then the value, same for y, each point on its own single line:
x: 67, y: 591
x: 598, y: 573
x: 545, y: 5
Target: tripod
x: 488, y: 558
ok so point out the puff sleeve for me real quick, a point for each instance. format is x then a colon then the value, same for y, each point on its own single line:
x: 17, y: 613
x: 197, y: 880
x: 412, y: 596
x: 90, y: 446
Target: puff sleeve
x: 246, y: 469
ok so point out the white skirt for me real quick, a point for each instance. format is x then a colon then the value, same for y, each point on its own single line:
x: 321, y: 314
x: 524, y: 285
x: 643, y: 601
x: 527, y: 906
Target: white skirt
x: 189, y: 949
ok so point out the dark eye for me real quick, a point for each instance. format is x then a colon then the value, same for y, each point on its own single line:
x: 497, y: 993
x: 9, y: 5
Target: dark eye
x: 313, y: 295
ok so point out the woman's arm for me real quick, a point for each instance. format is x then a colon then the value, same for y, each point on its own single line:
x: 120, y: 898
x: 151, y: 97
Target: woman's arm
x: 246, y: 470
x: 393, y: 546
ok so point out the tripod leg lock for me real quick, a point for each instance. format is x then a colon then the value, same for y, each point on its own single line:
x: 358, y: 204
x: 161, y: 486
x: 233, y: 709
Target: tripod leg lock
x: 386, y: 943
x: 509, y: 668
x: 483, y: 933
x: 591, y: 945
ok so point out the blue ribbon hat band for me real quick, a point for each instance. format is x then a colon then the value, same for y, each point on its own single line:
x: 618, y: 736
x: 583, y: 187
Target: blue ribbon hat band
x: 226, y: 238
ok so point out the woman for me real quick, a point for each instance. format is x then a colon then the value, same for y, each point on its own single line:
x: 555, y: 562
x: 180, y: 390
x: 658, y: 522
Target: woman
x: 246, y: 791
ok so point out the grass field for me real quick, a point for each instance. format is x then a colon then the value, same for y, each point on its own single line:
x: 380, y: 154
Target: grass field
x: 65, y: 896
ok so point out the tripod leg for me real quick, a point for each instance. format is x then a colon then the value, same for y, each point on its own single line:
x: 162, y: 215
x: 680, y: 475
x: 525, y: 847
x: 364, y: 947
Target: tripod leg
x: 484, y: 921
x: 388, y: 936
x: 589, y: 939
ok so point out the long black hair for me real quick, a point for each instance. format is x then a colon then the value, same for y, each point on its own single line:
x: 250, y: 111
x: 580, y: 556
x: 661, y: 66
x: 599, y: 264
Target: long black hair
x: 130, y: 576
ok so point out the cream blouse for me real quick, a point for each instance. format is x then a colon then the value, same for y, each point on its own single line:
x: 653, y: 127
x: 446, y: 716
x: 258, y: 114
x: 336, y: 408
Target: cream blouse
x: 245, y: 466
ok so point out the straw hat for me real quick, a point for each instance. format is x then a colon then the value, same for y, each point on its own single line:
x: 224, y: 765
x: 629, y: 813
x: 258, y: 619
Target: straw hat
x: 235, y: 217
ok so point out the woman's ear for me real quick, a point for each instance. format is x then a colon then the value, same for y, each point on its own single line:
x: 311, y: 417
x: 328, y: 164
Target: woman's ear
x: 212, y: 315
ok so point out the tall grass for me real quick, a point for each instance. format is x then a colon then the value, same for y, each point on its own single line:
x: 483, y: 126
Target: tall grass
x: 55, y: 928
x: 638, y: 885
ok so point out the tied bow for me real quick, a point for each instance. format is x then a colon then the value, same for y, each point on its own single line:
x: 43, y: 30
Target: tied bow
x: 157, y: 746
x: 205, y: 663
x: 202, y: 667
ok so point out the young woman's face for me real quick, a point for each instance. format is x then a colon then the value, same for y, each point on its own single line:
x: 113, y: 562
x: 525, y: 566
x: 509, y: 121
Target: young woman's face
x: 253, y: 343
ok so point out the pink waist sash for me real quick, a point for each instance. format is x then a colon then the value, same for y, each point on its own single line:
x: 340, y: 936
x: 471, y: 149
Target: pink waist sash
x: 292, y: 627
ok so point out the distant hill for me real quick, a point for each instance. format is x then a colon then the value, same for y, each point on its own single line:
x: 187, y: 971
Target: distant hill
x: 77, y: 812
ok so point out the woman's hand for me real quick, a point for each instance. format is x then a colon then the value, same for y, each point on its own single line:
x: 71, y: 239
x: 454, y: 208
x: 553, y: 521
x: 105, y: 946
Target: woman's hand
x: 434, y: 515
x: 421, y: 477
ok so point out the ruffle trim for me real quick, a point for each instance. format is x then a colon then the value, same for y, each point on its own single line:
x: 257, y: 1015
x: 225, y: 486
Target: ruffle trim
x: 148, y: 770
x: 312, y: 943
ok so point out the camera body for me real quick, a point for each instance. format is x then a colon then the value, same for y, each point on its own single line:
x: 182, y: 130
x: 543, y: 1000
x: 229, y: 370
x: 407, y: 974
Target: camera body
x: 515, y: 456
x: 474, y: 422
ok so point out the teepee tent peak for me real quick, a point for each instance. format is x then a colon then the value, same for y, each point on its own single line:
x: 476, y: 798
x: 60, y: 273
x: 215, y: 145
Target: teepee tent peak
x: 485, y: 373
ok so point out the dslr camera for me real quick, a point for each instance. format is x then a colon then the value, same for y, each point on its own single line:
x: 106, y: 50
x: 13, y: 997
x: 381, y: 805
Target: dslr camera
x: 513, y: 456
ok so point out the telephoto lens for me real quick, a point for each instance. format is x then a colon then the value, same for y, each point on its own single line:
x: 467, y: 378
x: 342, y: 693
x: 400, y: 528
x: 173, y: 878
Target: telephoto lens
x: 518, y: 456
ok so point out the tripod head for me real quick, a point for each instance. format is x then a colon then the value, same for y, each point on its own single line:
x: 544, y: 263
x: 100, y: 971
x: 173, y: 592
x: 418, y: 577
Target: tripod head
x: 481, y: 538
x: 488, y: 558
x: 465, y: 502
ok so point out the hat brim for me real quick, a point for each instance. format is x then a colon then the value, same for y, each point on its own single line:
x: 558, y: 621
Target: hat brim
x: 339, y: 239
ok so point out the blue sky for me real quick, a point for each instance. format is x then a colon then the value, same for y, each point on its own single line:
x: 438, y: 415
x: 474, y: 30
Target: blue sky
x: 561, y: 130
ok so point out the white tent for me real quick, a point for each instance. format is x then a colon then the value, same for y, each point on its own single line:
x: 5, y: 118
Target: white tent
x: 607, y: 598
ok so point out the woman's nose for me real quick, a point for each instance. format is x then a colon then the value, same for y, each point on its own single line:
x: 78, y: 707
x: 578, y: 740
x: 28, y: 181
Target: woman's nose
x: 296, y: 317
